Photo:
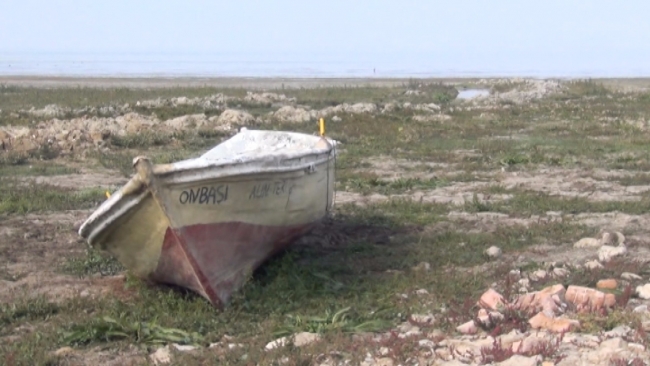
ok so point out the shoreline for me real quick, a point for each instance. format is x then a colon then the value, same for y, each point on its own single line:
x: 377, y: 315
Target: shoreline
x: 40, y: 81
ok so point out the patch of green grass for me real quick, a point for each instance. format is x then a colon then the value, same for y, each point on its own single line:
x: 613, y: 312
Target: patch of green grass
x: 33, y: 309
x: 92, y: 263
x: 36, y: 169
x: 525, y: 203
x: 370, y: 183
x: 22, y: 197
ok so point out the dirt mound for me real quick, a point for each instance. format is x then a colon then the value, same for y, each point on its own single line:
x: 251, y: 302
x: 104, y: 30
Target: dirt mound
x: 66, y: 136
x: 267, y: 98
x: 292, y: 114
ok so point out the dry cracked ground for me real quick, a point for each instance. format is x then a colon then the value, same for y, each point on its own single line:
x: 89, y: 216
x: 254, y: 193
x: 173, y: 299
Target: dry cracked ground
x: 511, y: 228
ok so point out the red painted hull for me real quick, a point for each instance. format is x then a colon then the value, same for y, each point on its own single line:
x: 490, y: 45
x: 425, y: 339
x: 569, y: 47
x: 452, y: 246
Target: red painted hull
x: 214, y: 259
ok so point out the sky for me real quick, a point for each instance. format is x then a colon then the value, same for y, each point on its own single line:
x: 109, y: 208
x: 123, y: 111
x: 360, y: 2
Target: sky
x: 597, y: 31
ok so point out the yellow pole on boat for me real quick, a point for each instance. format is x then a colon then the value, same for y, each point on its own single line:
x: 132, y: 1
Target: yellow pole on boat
x: 322, y: 126
x: 108, y: 194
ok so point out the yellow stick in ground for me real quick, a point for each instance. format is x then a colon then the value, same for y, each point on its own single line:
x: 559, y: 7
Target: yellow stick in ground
x: 322, y: 126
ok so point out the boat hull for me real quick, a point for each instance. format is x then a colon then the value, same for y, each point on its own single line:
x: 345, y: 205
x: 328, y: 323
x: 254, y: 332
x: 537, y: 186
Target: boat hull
x: 209, y: 233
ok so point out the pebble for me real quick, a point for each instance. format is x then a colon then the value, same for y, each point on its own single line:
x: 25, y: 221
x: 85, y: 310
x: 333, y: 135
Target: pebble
x: 641, y: 309
x: 519, y: 360
x: 422, y: 267
x: 608, y: 284
x: 630, y: 276
x: 593, y: 265
x: 607, y: 252
x: 162, y: 356
x: 560, y: 272
x: 421, y: 292
x: 643, y: 291
x: 493, y: 252
x: 64, y: 351
x: 423, y: 318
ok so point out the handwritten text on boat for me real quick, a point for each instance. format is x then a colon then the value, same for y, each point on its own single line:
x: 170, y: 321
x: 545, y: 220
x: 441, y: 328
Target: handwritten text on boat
x: 213, y: 195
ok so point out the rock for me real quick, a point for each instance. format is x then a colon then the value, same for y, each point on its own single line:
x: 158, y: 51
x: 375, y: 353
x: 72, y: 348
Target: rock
x: 593, y: 265
x: 556, y: 325
x: 614, y: 343
x: 519, y: 360
x: 421, y: 292
x: 641, y: 309
x: 422, y: 267
x: 636, y: 347
x: 493, y: 252
x: 183, y: 348
x: 550, y: 299
x: 643, y: 291
x: 384, y: 361
x: 491, y: 300
x: 467, y: 328
x: 538, y: 275
x: 560, y: 272
x: 234, y: 116
x: 607, y: 284
x: 280, y: 342
x: 426, y: 319
x: 630, y: 276
x: 305, y: 338
x: 161, y: 356
x: 64, y: 351
x: 336, y: 119
x: 621, y: 331
x: 426, y: 343
x: 588, y: 243
x: 489, y: 318
x: 607, y: 252
x: 407, y: 329
x: 588, y: 299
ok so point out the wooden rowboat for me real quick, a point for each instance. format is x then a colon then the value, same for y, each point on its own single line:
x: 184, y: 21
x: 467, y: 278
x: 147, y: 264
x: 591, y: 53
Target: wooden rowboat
x: 206, y: 223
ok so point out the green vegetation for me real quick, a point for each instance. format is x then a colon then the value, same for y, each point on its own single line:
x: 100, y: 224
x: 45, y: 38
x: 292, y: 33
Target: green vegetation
x: 358, y: 271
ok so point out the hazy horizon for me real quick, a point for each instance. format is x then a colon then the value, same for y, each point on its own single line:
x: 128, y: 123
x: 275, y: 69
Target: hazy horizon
x: 318, y: 38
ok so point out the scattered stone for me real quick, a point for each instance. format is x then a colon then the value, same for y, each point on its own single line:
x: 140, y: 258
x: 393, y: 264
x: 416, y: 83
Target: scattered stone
x: 538, y: 275
x: 614, y: 343
x: 384, y: 361
x: 422, y: 267
x: 641, y: 309
x: 426, y: 319
x: 560, y: 272
x: 336, y: 119
x: 280, y: 342
x: 620, y: 332
x: 607, y: 284
x: 305, y: 338
x: 421, y: 292
x: 556, y: 325
x: 491, y: 300
x: 162, y: 356
x: 519, y: 360
x: 64, y: 351
x: 636, y: 347
x: 467, y: 328
x: 493, y: 252
x: 588, y: 299
x: 183, y: 348
x: 607, y: 252
x: 643, y: 291
x: 588, y: 243
x: 630, y: 276
x: 550, y: 299
x: 593, y: 265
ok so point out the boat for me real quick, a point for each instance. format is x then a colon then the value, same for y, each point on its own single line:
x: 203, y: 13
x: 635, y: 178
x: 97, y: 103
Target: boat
x: 205, y: 224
